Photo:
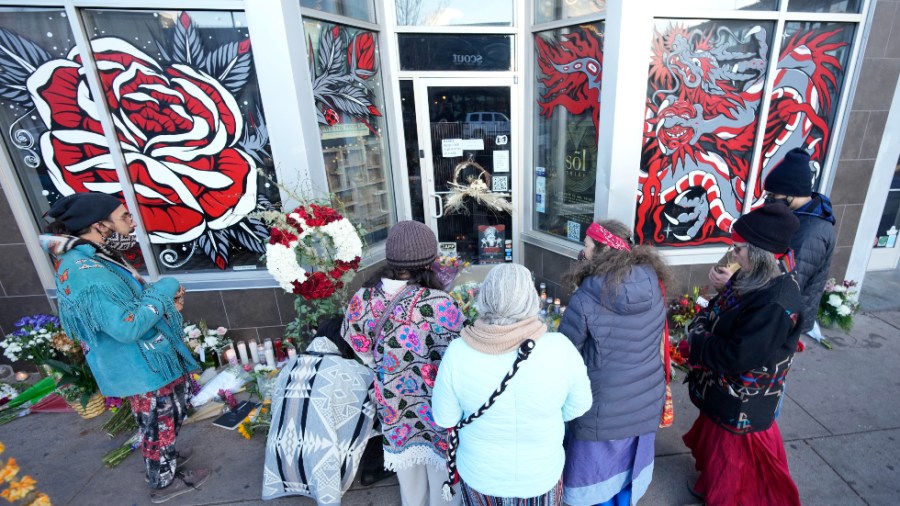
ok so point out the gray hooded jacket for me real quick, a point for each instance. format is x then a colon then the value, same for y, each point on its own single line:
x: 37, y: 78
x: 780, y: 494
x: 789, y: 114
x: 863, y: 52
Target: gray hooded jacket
x: 618, y: 334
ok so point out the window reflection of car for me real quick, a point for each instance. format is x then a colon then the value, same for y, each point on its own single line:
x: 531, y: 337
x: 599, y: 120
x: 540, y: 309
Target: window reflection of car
x: 479, y: 124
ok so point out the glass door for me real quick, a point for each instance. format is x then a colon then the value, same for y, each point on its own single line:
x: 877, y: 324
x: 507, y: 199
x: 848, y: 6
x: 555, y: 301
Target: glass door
x: 886, y: 251
x: 465, y: 143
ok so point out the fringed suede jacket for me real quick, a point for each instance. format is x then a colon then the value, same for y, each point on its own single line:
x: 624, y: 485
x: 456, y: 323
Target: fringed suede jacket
x: 129, y: 329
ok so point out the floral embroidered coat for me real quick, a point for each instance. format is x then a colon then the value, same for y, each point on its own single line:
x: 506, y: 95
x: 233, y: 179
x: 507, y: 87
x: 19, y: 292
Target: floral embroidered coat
x: 405, y: 358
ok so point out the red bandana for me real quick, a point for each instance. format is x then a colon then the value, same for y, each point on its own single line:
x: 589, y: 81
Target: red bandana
x: 598, y: 233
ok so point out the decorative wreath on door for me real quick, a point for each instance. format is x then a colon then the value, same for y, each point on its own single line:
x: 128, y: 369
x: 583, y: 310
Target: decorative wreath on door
x: 476, y: 187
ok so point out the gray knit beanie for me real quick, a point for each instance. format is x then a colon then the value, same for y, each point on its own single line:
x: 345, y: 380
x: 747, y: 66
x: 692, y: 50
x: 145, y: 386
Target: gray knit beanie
x: 410, y: 245
x: 507, y: 295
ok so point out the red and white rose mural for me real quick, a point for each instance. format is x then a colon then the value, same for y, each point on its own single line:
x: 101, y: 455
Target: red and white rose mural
x: 192, y: 160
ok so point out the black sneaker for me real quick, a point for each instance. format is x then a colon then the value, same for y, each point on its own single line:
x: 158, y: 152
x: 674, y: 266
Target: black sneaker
x: 183, y: 483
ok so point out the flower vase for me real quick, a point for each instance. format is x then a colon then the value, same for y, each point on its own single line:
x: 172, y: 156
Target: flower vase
x: 95, y: 406
x: 45, y: 370
x: 266, y: 385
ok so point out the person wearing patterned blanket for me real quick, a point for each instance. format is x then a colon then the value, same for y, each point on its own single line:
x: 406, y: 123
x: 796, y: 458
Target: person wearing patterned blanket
x: 740, y: 350
x: 130, y: 329
x: 399, y: 324
x: 322, y: 415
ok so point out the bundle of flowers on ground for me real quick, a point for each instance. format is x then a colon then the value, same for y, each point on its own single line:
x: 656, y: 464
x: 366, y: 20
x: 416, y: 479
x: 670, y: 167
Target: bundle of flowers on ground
x: 32, y: 339
x: 262, y: 381
x: 447, y: 267
x: 23, y: 490
x: 313, y: 252
x: 115, y: 457
x: 465, y: 296
x: 122, y: 419
x: 682, y: 312
x: 75, y: 380
x: 206, y: 343
x: 838, y: 304
x: 259, y: 420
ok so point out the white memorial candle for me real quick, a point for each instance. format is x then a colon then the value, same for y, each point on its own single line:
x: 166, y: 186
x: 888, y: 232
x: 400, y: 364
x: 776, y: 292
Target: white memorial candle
x: 202, y: 354
x: 270, y: 357
x: 254, y: 351
x: 230, y: 357
x: 291, y: 353
x: 242, y: 351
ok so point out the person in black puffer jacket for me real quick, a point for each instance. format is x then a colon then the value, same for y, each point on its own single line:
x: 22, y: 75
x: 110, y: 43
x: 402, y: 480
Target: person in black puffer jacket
x: 740, y: 350
x: 616, y: 320
x: 790, y: 182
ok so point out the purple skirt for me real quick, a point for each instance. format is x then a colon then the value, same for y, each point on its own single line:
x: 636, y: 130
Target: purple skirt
x: 598, y: 470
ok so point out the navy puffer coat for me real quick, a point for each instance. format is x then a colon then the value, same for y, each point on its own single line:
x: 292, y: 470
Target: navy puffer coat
x: 618, y: 334
x: 813, y: 245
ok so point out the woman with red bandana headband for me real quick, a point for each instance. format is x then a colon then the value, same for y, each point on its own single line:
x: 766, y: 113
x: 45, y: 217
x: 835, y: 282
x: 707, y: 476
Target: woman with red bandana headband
x: 616, y: 319
x: 740, y: 350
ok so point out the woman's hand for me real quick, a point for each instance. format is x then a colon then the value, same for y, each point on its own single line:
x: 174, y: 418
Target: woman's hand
x: 179, y: 298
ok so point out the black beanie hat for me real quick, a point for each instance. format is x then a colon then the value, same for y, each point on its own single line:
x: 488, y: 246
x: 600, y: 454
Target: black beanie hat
x: 82, y: 210
x: 770, y: 227
x: 410, y: 245
x: 792, y: 177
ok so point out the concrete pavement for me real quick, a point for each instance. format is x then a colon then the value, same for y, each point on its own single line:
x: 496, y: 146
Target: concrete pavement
x: 840, y: 423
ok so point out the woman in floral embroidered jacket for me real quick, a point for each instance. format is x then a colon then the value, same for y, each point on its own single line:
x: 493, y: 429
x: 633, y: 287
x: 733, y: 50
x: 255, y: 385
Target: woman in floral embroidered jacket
x: 417, y: 321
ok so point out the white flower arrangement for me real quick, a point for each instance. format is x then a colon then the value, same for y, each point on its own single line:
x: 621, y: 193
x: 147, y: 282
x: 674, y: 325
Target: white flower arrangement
x: 32, y: 340
x: 838, y: 304
x: 202, y: 340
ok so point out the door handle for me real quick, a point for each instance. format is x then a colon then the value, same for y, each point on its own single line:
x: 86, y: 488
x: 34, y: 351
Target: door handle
x: 440, y: 206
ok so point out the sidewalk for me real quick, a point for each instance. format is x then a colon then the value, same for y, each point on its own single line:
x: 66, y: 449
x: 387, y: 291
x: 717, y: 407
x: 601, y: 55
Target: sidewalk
x: 840, y: 423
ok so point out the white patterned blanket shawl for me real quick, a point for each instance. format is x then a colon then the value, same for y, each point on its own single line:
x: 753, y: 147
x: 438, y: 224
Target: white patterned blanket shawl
x: 322, y: 416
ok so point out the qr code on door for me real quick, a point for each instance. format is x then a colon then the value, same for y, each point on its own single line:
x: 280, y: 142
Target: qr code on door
x: 573, y: 230
x: 500, y: 183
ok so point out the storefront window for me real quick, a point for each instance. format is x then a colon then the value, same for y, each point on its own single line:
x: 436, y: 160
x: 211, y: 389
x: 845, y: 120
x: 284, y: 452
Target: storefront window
x: 358, y: 9
x: 553, y: 10
x: 735, y: 5
x: 889, y: 225
x: 469, y: 52
x: 456, y: 13
x: 806, y: 94
x: 348, y: 94
x: 183, y: 97
x: 842, y: 6
x: 566, y: 119
x: 704, y: 92
x: 38, y: 39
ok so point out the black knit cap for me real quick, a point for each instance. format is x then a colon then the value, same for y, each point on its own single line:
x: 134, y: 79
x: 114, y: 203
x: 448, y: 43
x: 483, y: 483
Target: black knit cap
x: 410, y: 245
x: 82, y: 210
x: 770, y: 227
x: 792, y: 177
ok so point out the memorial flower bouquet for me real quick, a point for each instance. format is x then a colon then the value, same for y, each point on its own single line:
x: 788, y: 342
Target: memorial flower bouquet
x: 838, y: 304
x: 465, y: 296
x: 32, y: 340
x: 682, y: 312
x: 313, y: 252
x: 204, y: 342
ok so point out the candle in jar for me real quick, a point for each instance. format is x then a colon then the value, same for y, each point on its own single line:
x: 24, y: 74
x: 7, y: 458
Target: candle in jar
x: 230, y: 357
x: 254, y: 351
x: 291, y: 353
x: 270, y: 357
x: 279, y: 351
x: 242, y: 351
x: 21, y: 376
x: 202, y: 354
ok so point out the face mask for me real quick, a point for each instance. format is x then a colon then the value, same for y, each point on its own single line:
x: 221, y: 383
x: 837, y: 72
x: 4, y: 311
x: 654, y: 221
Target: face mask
x: 773, y: 200
x: 119, y: 242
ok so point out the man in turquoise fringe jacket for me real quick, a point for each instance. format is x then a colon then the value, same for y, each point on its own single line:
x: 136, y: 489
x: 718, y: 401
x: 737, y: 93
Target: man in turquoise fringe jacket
x: 130, y: 329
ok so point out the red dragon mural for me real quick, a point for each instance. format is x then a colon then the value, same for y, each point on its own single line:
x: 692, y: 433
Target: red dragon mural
x: 704, y: 93
x: 572, y: 70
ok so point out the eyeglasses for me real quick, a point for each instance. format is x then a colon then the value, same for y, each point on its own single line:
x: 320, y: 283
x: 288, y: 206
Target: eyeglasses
x: 738, y: 248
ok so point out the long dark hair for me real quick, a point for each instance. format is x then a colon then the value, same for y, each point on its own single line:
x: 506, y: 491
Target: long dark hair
x: 617, y: 264
x: 422, y: 276
x: 330, y: 327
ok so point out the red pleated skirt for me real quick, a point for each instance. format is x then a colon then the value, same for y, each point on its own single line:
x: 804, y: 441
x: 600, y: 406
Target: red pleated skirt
x: 740, y: 470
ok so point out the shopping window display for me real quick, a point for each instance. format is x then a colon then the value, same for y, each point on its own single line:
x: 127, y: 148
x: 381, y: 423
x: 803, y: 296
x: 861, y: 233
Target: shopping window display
x: 566, y: 119
x: 182, y: 98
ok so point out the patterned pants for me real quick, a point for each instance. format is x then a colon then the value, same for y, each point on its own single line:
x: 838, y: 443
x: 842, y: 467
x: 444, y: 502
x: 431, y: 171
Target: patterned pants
x: 159, y: 415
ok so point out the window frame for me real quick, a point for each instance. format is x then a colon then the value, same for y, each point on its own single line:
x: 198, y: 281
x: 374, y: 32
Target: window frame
x: 631, y: 25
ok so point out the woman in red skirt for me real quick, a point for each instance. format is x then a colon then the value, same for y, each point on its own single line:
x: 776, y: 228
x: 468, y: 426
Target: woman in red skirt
x: 740, y: 350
